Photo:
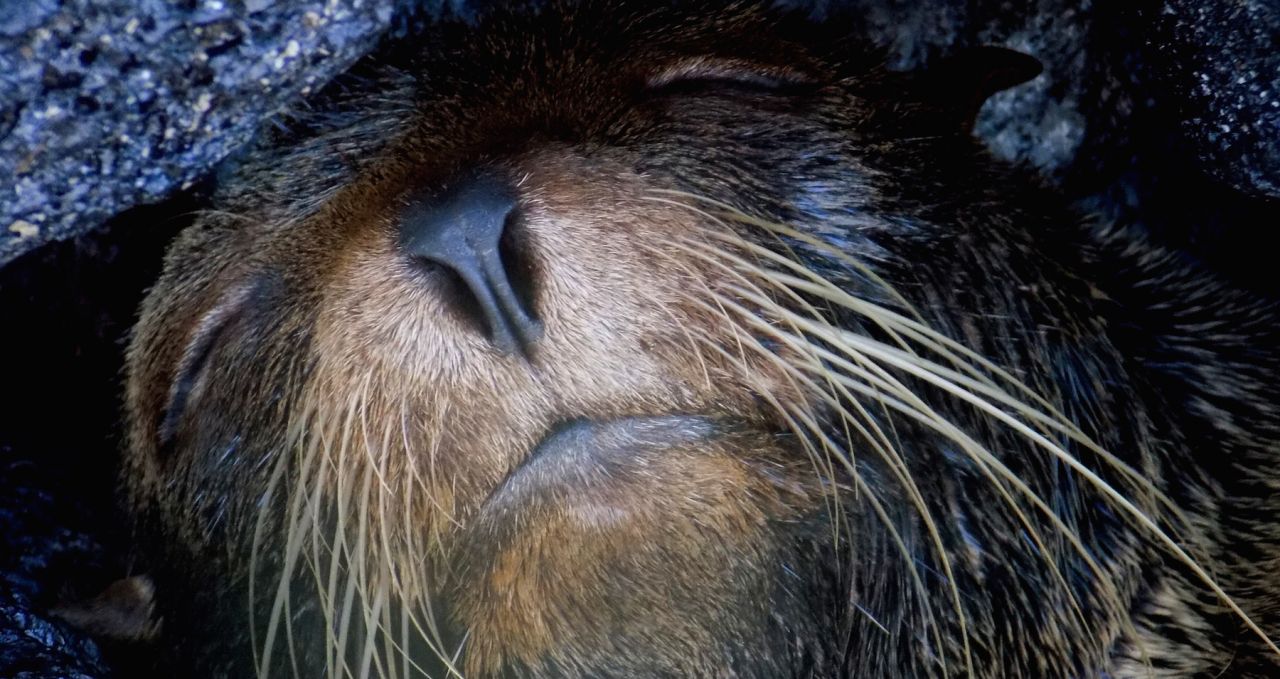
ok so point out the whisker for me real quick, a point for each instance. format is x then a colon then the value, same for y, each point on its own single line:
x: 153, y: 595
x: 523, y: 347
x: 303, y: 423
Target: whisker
x: 889, y: 321
x: 1149, y: 524
x: 830, y: 446
x: 806, y: 427
x: 1032, y: 532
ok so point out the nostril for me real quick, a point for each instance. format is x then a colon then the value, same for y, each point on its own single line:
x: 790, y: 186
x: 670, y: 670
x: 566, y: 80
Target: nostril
x: 513, y: 250
x: 463, y: 229
x: 461, y: 303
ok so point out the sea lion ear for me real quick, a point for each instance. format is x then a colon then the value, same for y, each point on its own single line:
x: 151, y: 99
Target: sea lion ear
x: 963, y: 81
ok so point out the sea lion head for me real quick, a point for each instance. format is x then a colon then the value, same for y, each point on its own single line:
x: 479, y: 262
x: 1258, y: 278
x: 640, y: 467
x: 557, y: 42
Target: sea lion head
x: 604, y: 339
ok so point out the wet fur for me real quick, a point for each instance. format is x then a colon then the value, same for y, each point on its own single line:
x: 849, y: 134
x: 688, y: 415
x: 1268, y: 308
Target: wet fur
x: 752, y: 550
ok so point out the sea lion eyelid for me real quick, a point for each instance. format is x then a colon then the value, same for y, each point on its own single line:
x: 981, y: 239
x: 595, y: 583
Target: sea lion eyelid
x: 195, y: 356
x: 731, y: 72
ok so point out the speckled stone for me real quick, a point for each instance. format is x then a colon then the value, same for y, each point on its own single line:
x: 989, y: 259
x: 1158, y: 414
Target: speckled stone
x: 105, y: 104
x: 1042, y: 122
x: 1218, y: 64
x: 1162, y: 114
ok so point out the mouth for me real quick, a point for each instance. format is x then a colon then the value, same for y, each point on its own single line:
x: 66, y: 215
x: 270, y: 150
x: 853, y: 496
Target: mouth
x: 609, y: 525
x: 644, y: 479
x: 581, y: 456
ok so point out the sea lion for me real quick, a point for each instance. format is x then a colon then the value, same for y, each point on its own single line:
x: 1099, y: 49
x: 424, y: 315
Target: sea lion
x: 603, y: 339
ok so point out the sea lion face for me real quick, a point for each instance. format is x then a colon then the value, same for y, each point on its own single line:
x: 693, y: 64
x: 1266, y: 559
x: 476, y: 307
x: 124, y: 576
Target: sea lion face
x: 584, y: 343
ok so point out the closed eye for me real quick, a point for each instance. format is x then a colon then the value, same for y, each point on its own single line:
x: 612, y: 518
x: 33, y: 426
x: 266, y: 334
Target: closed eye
x: 191, y: 371
x: 703, y: 74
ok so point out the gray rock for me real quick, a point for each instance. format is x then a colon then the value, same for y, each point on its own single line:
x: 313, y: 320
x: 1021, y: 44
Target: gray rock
x: 106, y: 104
x: 33, y: 535
x: 1041, y: 123
x: 1163, y: 114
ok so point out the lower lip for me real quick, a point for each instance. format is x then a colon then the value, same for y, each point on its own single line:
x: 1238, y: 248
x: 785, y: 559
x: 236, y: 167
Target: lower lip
x: 583, y: 448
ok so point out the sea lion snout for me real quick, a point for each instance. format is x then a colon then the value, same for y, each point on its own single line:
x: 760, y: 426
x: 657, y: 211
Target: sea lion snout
x: 463, y: 229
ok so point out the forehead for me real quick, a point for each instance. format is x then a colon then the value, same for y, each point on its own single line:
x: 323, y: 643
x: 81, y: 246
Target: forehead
x: 618, y: 39
x: 461, y: 94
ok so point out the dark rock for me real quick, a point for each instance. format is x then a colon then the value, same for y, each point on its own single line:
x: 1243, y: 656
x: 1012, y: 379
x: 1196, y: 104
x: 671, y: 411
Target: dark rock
x: 34, y: 539
x: 66, y: 309
x: 1218, y: 65
x: 1164, y: 114
x: 1042, y: 122
x: 106, y: 104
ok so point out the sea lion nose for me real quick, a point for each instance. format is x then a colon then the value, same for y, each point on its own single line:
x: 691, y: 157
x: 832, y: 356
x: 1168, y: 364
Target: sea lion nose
x: 461, y: 229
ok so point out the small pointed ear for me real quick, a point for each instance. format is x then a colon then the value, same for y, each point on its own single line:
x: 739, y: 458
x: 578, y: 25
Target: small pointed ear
x: 964, y: 80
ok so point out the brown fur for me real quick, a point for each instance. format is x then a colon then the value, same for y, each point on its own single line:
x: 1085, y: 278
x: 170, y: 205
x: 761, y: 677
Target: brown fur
x: 124, y: 611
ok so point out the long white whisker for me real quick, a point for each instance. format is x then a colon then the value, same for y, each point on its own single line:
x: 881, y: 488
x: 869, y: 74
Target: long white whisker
x: 899, y: 469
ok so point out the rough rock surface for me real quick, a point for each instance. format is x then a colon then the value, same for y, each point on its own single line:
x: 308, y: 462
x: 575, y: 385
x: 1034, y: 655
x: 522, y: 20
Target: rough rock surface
x: 106, y: 104
x: 35, y: 537
x: 1220, y: 65
x: 1164, y: 114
